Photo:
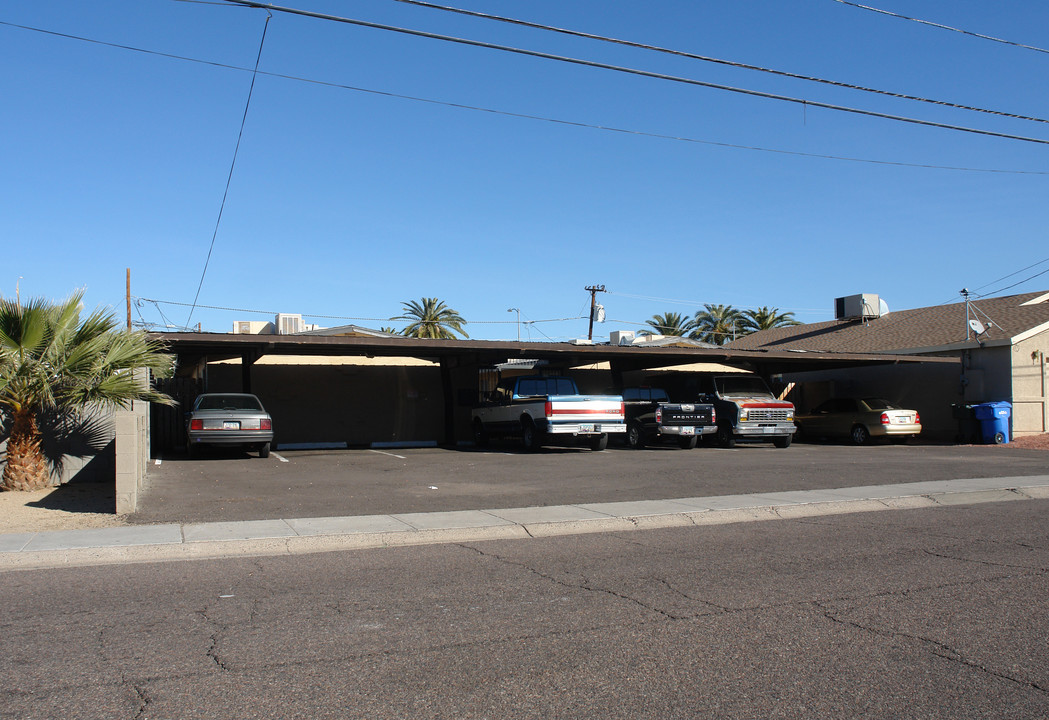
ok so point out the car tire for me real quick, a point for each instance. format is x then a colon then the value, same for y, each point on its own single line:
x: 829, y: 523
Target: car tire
x: 530, y: 436
x: 264, y: 450
x: 725, y: 437
x: 599, y: 443
x: 782, y: 442
x: 480, y: 434
x: 634, y: 437
x: 860, y: 435
x: 687, y: 442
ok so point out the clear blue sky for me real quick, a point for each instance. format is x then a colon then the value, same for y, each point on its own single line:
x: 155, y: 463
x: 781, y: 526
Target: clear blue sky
x: 347, y: 203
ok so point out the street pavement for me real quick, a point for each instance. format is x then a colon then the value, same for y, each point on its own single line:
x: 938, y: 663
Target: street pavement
x: 930, y: 613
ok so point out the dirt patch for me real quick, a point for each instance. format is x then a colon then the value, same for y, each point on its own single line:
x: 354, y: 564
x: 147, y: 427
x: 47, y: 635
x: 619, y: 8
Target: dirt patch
x: 74, y: 506
x: 1030, y: 442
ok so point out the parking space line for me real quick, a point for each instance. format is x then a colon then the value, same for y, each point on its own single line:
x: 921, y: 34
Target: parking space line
x: 280, y: 457
x: 400, y: 457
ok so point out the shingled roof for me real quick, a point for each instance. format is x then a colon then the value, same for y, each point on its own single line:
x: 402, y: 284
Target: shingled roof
x: 928, y: 329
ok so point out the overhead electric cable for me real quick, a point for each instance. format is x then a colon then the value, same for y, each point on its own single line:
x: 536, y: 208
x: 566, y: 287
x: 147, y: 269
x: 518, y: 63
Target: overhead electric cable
x: 718, y: 61
x: 632, y: 71
x: 1021, y: 282
x: 233, y: 164
x: 525, y: 116
x: 943, y: 27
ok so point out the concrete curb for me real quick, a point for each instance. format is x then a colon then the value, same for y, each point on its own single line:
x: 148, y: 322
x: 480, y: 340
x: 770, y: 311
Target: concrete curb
x: 162, y: 543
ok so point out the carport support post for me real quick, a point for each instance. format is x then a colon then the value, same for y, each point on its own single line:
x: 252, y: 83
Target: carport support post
x: 247, y: 359
x: 448, y: 388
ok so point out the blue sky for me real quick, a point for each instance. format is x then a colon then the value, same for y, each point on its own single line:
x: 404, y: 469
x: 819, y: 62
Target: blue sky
x: 345, y: 203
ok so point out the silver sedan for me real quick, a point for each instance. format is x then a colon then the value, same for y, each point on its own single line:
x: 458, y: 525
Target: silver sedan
x: 229, y: 419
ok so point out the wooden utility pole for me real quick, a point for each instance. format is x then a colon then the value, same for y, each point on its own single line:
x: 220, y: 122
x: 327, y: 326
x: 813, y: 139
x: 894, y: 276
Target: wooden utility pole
x: 129, y: 298
x: 593, y: 290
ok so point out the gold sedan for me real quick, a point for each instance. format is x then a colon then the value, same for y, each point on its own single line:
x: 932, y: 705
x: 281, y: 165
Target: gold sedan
x: 859, y: 419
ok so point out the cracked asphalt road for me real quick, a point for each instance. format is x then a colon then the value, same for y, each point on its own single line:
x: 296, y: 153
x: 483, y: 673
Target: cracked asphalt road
x: 932, y: 613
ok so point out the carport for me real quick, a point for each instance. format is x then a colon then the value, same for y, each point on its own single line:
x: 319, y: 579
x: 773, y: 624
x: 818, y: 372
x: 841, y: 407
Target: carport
x: 460, y: 362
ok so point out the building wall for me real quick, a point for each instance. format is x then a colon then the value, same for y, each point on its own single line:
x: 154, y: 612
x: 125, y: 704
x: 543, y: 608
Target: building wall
x: 355, y: 404
x: 1030, y: 384
x: 929, y: 389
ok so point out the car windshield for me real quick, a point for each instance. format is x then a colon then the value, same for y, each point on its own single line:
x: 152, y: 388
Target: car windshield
x: 879, y: 404
x: 742, y: 387
x: 228, y: 402
x: 531, y: 387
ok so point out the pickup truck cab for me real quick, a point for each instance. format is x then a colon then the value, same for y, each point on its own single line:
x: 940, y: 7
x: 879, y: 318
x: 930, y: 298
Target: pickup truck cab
x: 748, y: 411
x: 651, y: 417
x: 547, y: 410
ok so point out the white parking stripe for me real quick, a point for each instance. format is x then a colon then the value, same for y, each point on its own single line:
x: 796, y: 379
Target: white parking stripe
x: 280, y: 457
x: 401, y: 457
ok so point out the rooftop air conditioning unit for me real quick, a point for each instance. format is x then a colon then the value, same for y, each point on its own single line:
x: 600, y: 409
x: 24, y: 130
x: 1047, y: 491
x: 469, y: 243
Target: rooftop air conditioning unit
x: 288, y: 324
x: 857, y: 307
x: 621, y: 337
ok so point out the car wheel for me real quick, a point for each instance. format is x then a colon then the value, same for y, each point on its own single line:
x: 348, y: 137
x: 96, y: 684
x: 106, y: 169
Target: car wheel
x: 687, y: 442
x: 480, y: 434
x: 264, y: 450
x: 599, y: 443
x: 530, y: 435
x: 634, y: 437
x: 725, y: 437
x: 860, y: 435
x: 782, y: 442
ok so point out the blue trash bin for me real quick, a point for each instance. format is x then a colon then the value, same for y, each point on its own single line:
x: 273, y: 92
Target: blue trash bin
x: 994, y: 421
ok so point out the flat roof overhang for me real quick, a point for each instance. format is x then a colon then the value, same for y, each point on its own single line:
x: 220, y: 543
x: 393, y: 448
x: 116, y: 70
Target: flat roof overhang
x: 193, y: 347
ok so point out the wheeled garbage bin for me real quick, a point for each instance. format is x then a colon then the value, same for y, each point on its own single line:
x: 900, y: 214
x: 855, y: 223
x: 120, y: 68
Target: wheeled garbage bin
x: 994, y: 421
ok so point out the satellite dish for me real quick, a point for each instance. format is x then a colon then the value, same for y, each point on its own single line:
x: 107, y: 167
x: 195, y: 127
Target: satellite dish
x: 977, y: 326
x: 883, y: 308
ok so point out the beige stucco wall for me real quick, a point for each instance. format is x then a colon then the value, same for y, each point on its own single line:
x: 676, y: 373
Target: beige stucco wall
x: 1030, y: 384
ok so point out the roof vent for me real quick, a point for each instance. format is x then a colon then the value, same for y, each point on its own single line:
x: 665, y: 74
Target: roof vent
x: 858, y: 307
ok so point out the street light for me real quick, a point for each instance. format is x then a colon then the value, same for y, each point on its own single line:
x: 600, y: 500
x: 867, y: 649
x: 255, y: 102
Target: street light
x: 518, y: 311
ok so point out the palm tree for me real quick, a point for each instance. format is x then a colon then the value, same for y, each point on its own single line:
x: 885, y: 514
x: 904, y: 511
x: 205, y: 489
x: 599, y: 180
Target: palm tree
x: 670, y: 323
x: 766, y: 318
x: 716, y: 324
x: 52, y: 362
x: 431, y: 318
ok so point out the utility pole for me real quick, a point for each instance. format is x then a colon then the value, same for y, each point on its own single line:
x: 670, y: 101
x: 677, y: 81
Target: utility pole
x: 129, y: 299
x: 593, y: 290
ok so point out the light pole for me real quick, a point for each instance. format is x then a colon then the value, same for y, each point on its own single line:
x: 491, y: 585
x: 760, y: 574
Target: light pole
x: 518, y: 311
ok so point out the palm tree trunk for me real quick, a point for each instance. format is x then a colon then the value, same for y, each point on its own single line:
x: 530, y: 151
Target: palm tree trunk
x: 26, y: 468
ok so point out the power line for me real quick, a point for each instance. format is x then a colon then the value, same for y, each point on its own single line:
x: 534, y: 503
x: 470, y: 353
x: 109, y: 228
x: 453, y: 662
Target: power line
x: 525, y: 116
x: 233, y: 164
x: 634, y: 71
x: 943, y: 27
x: 318, y: 316
x: 718, y: 61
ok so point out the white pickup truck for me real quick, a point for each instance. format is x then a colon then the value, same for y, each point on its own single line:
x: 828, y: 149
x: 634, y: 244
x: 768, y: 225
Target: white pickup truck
x: 748, y: 411
x: 547, y: 410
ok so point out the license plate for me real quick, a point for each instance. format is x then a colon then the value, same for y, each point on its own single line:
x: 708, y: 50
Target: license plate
x: 231, y: 425
x: 589, y: 427
x: 688, y: 431
x: 903, y: 420
x: 769, y: 430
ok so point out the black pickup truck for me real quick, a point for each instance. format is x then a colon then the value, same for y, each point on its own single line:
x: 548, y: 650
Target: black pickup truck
x: 651, y: 417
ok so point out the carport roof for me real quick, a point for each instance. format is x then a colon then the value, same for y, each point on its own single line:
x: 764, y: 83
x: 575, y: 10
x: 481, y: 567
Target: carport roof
x: 192, y: 347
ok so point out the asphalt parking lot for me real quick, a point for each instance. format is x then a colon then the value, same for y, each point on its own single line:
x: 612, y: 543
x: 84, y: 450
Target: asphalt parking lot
x: 325, y: 483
